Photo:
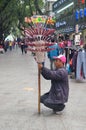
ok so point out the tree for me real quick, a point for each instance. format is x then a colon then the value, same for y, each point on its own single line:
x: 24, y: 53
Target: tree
x: 12, y: 13
x: 38, y: 9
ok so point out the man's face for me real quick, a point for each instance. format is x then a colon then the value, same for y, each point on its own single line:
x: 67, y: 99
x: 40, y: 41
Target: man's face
x: 58, y: 63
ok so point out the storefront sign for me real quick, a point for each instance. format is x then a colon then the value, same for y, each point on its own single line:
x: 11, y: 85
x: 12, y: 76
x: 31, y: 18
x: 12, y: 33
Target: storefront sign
x: 81, y: 1
x: 81, y: 12
x: 38, y: 18
x: 77, y: 39
x: 77, y: 14
x: 68, y: 30
x: 77, y: 28
x: 58, y: 4
x: 85, y: 12
x: 59, y: 24
x: 83, y: 26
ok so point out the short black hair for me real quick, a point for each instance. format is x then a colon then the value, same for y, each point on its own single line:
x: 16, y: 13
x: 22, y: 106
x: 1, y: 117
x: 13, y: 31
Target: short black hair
x: 52, y: 40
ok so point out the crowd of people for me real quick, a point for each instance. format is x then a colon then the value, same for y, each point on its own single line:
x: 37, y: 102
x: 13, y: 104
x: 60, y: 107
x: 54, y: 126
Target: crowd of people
x: 10, y: 45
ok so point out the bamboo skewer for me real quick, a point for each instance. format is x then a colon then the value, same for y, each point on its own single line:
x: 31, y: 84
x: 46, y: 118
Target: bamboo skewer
x: 39, y: 89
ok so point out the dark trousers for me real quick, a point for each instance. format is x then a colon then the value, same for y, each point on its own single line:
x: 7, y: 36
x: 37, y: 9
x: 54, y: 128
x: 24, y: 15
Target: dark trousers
x: 55, y: 107
x: 52, y: 66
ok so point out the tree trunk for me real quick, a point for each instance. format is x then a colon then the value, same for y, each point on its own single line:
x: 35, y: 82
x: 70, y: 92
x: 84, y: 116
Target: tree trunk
x: 31, y: 12
x: 37, y: 7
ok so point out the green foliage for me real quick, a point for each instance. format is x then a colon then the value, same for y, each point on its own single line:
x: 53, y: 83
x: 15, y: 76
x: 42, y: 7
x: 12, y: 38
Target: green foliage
x: 13, y: 12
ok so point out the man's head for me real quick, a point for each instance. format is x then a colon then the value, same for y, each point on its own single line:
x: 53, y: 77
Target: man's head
x: 60, y: 61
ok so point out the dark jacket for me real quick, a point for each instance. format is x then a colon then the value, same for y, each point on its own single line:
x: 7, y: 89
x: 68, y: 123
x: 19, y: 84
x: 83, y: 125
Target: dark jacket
x: 59, y: 90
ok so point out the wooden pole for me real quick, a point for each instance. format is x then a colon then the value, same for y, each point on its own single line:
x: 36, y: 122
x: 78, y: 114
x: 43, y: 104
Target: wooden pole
x: 39, y: 90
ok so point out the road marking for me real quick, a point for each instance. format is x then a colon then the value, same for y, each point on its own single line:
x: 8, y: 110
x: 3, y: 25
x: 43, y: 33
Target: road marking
x: 29, y: 89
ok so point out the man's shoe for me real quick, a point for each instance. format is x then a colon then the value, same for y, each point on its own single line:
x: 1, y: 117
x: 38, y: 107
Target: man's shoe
x: 59, y: 110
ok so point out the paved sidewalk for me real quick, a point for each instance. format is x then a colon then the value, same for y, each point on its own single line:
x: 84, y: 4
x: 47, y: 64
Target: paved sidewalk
x: 19, y: 97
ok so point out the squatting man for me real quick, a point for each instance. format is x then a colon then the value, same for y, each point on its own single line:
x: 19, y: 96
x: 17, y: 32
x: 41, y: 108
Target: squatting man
x: 58, y: 94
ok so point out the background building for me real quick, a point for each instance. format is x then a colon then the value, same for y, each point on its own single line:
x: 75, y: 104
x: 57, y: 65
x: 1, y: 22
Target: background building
x: 48, y: 7
x: 69, y: 14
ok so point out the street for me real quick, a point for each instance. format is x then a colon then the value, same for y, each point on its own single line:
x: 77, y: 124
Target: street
x: 19, y: 97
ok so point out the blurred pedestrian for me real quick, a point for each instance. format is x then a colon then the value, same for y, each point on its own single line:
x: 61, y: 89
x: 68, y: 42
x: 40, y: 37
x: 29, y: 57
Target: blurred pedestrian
x: 23, y: 47
x: 52, y: 53
x: 10, y: 45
